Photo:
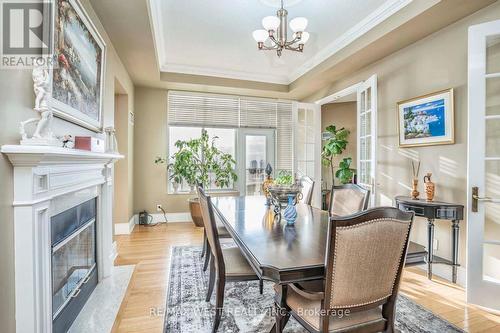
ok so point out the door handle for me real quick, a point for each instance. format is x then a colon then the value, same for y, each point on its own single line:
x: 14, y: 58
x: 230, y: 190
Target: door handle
x: 476, y: 199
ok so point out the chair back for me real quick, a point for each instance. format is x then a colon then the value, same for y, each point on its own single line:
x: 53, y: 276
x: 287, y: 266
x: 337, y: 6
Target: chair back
x: 307, y: 190
x: 365, y: 257
x: 211, y: 230
x: 348, y: 199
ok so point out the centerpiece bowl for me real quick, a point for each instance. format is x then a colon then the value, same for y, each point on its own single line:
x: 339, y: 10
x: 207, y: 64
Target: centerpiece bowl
x: 279, y: 195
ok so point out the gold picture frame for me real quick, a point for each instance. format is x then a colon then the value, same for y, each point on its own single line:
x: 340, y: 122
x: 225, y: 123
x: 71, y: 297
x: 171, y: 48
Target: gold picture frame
x: 427, y: 120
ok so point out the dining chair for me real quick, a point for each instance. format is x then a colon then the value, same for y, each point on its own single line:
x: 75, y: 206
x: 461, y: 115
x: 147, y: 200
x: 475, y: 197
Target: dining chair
x: 307, y: 189
x: 226, y: 264
x: 222, y: 232
x: 348, y: 199
x: 364, y: 261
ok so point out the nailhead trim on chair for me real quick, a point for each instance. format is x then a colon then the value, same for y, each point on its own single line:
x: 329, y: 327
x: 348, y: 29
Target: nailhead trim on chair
x: 335, y: 260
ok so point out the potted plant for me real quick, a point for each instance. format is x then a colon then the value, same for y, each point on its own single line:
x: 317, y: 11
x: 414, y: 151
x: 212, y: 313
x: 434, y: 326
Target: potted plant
x: 333, y: 147
x: 200, y: 161
x: 344, y: 172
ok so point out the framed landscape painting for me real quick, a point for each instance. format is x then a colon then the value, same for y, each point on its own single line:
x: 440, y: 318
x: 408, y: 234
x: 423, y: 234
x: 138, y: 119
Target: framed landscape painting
x: 78, y: 74
x: 427, y: 120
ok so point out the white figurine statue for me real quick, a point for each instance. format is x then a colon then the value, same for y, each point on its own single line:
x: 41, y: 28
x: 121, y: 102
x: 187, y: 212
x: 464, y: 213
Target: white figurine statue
x: 43, y: 133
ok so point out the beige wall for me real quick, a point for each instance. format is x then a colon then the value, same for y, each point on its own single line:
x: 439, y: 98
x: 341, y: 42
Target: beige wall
x: 151, y: 140
x: 435, y: 63
x: 340, y: 115
x: 124, y: 169
x: 16, y: 103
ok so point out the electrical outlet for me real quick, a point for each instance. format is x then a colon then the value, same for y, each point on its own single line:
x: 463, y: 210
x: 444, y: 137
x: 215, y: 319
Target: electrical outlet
x: 436, y: 244
x: 159, y: 208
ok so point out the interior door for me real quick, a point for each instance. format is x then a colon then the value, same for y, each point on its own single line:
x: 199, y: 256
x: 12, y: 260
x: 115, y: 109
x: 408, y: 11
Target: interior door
x: 367, y: 136
x: 257, y: 148
x: 307, y: 145
x: 483, y: 223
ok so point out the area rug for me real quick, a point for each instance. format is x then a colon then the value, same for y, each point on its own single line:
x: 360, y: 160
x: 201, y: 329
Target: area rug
x: 99, y: 313
x: 245, y: 310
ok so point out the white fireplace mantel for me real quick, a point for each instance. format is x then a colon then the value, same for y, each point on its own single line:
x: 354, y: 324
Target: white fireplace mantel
x: 42, y: 174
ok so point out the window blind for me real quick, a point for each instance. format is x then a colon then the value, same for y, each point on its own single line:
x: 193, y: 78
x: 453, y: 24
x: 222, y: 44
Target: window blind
x: 210, y: 110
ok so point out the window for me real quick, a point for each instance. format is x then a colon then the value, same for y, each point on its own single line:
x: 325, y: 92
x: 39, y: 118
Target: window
x: 226, y: 142
x: 224, y: 116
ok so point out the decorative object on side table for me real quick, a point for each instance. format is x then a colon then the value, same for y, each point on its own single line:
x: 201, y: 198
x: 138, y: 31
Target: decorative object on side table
x: 42, y: 136
x: 77, y: 81
x: 415, y: 169
x: 427, y: 120
x: 430, y: 187
x: 268, y: 182
x: 111, y: 143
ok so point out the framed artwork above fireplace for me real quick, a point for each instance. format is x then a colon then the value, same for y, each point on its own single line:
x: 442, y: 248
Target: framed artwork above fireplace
x: 78, y: 73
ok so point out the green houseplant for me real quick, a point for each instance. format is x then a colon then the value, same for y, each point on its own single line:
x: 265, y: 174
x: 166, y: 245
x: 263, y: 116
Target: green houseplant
x: 333, y: 147
x: 200, y: 161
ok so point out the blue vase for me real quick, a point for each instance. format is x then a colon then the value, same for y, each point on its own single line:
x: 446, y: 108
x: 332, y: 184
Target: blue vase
x: 290, y: 212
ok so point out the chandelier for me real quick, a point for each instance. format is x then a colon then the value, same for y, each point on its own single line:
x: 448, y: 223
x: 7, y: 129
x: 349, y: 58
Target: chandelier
x: 277, y: 34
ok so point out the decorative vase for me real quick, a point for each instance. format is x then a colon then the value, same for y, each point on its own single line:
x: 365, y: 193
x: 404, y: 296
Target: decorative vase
x: 290, y: 212
x: 415, y: 193
x: 430, y: 187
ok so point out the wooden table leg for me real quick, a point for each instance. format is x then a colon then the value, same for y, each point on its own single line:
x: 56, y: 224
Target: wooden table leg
x: 281, y: 312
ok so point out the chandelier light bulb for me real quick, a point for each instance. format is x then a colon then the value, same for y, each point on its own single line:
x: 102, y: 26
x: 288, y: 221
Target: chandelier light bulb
x: 304, y: 38
x: 260, y: 36
x: 271, y: 23
x: 298, y: 24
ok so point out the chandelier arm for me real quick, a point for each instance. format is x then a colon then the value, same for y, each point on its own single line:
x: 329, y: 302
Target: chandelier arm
x: 295, y: 40
x: 267, y: 48
x: 291, y: 48
x: 273, y: 40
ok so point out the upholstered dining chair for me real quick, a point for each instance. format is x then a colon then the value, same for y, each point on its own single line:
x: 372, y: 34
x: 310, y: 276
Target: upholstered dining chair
x: 226, y: 264
x: 364, y: 261
x: 222, y: 232
x: 307, y: 189
x: 348, y: 199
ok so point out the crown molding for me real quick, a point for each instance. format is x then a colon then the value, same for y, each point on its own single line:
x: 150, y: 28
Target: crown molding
x: 378, y: 16
x: 382, y: 13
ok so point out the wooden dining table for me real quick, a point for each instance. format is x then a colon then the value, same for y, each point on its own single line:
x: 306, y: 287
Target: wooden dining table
x: 276, y: 251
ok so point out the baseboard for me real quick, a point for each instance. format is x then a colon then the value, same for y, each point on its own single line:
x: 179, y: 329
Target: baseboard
x: 126, y: 228
x: 171, y: 217
x: 445, y: 272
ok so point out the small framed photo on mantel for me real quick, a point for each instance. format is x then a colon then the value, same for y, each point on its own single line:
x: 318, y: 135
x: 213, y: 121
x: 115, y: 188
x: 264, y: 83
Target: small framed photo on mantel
x: 427, y: 120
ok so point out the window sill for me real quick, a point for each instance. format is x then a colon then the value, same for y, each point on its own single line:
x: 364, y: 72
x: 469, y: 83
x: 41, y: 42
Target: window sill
x: 213, y: 192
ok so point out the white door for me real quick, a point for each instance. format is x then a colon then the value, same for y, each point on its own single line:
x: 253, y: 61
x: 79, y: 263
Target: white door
x: 307, y: 145
x: 483, y: 223
x: 367, y: 136
x: 256, y: 149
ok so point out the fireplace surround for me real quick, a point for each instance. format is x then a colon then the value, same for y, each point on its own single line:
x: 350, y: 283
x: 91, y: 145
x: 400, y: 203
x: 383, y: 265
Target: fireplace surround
x: 49, y: 181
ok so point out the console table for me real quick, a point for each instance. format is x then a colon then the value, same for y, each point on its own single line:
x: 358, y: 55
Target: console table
x: 433, y: 210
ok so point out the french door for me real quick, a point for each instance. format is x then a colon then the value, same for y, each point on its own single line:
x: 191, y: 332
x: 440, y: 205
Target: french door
x: 307, y: 145
x: 367, y: 135
x: 483, y: 225
x: 256, y: 149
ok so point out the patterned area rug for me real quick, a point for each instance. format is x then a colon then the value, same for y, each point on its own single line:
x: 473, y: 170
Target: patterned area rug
x: 245, y: 310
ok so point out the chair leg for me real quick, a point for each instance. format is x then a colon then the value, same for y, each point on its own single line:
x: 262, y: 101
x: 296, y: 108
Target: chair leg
x: 207, y: 257
x: 211, y: 281
x: 278, y: 316
x: 261, y: 286
x: 204, y: 249
x: 219, y: 302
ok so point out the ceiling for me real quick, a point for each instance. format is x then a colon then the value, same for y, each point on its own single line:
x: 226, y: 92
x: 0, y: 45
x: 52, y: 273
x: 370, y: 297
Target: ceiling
x: 207, y: 46
x: 214, y: 38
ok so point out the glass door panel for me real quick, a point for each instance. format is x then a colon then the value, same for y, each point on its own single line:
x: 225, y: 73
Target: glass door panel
x: 257, y: 150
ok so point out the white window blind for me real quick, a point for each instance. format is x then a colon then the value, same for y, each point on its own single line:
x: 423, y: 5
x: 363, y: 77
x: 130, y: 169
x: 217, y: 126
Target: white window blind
x: 210, y: 110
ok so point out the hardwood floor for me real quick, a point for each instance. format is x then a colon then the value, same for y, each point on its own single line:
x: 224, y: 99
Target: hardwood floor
x: 142, y: 309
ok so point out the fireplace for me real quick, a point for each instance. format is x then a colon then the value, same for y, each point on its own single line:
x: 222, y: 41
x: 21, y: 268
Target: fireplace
x: 74, y: 264
x: 63, y: 232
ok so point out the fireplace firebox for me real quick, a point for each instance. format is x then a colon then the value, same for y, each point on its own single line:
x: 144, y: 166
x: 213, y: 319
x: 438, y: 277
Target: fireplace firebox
x: 74, y: 266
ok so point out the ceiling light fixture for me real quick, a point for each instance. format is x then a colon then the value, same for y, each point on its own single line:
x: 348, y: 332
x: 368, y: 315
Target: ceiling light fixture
x: 276, y: 32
